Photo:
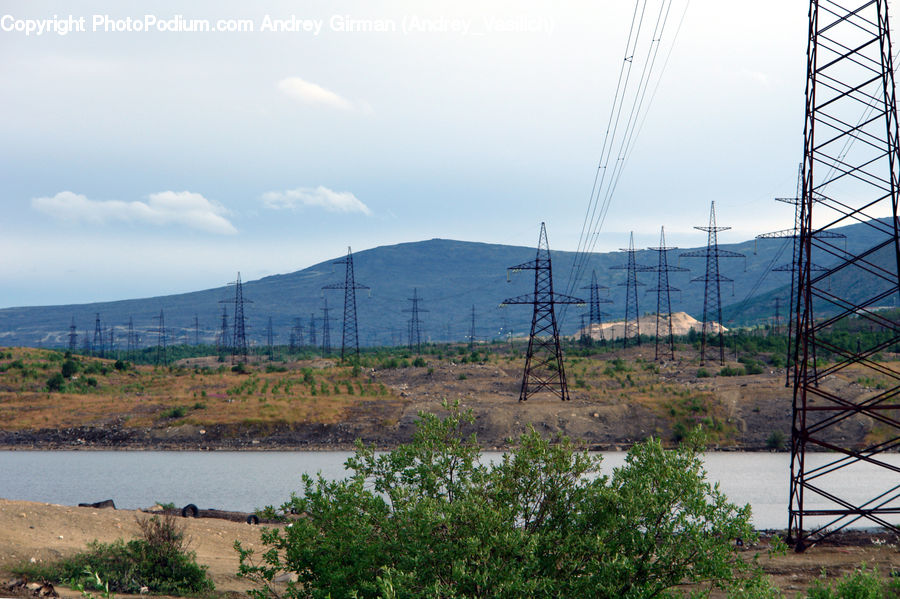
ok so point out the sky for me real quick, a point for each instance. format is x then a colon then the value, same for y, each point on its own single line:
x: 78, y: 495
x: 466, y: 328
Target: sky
x: 142, y: 156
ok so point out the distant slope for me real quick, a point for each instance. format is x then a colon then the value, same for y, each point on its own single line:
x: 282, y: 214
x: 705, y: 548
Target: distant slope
x: 450, y: 277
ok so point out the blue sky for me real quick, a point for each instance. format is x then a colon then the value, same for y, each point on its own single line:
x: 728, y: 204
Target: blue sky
x: 142, y: 163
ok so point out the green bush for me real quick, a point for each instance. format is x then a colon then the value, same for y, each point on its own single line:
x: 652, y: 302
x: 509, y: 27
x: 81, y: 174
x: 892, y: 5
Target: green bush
x: 419, y: 362
x: 732, y: 371
x: 176, y: 412
x: 56, y: 382
x: 859, y: 584
x: 702, y: 373
x: 158, y: 560
x: 69, y: 368
x: 776, y: 440
x: 429, y: 519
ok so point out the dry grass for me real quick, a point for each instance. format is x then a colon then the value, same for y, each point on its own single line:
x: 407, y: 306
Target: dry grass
x: 146, y: 396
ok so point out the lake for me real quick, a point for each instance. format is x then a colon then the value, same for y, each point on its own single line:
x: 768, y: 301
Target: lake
x: 244, y: 481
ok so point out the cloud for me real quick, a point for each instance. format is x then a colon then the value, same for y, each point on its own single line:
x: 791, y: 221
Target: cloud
x: 320, y: 197
x: 310, y: 93
x: 163, y: 208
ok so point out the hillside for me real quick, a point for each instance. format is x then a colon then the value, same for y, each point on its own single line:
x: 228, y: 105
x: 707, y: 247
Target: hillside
x: 450, y: 277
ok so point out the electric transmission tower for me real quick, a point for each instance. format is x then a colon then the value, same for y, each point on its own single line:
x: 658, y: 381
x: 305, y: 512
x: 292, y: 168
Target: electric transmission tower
x: 350, y: 335
x: 544, y: 368
x: 851, y: 174
x: 98, y: 337
x: 270, y: 338
x: 222, y: 342
x: 196, y: 330
x: 326, y: 329
x: 472, y: 330
x: 131, y: 349
x: 297, y: 340
x: 239, y: 336
x: 712, y: 280
x: 73, y: 336
x: 632, y: 313
x: 415, y: 324
x: 312, y: 330
x: 161, y: 357
x: 664, y: 295
x: 595, y: 316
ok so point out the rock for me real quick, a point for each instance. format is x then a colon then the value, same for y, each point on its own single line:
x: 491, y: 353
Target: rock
x: 286, y: 577
x: 109, y: 503
x: 46, y: 590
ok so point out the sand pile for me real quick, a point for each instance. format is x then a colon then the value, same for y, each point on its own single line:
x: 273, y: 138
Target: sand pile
x: 682, y: 323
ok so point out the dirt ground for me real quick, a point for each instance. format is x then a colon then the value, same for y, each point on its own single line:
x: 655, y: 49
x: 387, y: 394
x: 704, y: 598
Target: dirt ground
x: 45, y: 532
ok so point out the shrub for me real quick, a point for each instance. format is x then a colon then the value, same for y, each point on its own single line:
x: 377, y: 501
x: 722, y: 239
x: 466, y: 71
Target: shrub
x: 430, y: 520
x: 56, y: 382
x: 776, y: 440
x: 69, y: 368
x: 419, y: 362
x: 859, y: 584
x: 176, y: 412
x: 702, y: 373
x: 732, y: 371
x: 158, y: 560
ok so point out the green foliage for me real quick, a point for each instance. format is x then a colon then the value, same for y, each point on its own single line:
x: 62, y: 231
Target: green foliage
x: 159, y: 560
x: 419, y: 362
x: 239, y: 368
x: 69, y: 368
x: 120, y: 365
x: 430, y: 520
x: 859, y: 584
x: 702, y: 373
x: 176, y: 412
x: 732, y: 371
x: 56, y: 382
x: 462, y: 376
x: 776, y: 440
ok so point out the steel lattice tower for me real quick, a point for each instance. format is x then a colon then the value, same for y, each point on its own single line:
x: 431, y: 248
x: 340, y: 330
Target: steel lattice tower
x: 326, y: 329
x: 851, y: 174
x: 161, y: 353
x: 594, y: 312
x: 544, y: 368
x: 312, y: 330
x: 632, y: 313
x: 196, y: 330
x: 222, y: 338
x: 239, y: 350
x: 97, y: 348
x: 664, y: 294
x: 415, y: 324
x: 270, y: 338
x: 472, y: 330
x: 73, y: 336
x: 131, y: 350
x: 794, y: 236
x: 712, y: 281
x: 350, y: 335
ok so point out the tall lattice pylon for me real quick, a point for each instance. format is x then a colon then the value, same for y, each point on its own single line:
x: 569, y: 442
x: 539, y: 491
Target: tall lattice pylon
x: 222, y: 338
x: 794, y: 235
x: 544, y: 368
x: 663, y: 290
x: 632, y: 312
x: 312, y: 330
x: 595, y: 315
x: 131, y: 347
x: 239, y: 351
x: 350, y: 334
x: 851, y: 174
x: 270, y: 339
x: 98, y: 337
x: 415, y: 323
x: 472, y: 330
x: 712, y: 281
x: 73, y: 336
x: 196, y: 330
x: 161, y: 349
x: 326, y: 328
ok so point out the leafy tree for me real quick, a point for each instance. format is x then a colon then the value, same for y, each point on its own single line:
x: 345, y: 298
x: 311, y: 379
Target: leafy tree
x: 429, y: 519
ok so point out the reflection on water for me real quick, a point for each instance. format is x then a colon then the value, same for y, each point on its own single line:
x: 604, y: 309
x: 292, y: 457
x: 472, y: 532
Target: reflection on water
x: 248, y: 480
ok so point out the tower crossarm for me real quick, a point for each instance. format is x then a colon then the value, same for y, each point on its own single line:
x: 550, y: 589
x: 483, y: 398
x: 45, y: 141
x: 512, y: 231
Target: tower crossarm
x: 529, y: 298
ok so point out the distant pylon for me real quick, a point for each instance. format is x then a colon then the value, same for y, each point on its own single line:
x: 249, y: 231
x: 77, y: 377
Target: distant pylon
x: 270, y: 338
x: 712, y: 280
x: 326, y: 329
x: 297, y: 340
x: 350, y: 335
x: 131, y: 350
x: 415, y: 325
x: 98, y: 337
x: 595, y: 315
x: 196, y: 330
x: 544, y: 369
x: 777, y: 323
x: 161, y: 354
x: 312, y: 330
x: 222, y: 342
x: 239, y: 337
x: 73, y: 336
x: 472, y: 330
x: 663, y: 294
x: 632, y: 312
